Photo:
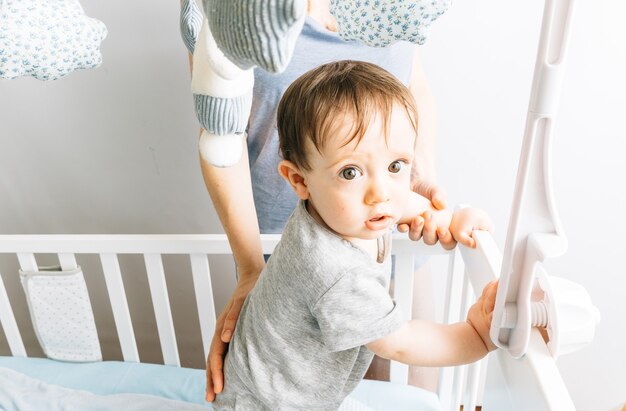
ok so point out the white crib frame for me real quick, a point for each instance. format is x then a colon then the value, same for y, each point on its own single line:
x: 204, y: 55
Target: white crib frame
x: 532, y: 382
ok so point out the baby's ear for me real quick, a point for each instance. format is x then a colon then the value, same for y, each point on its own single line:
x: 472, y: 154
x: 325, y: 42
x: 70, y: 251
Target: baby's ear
x: 292, y: 174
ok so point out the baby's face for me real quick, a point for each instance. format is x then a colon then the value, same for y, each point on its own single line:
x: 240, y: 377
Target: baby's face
x: 361, y: 189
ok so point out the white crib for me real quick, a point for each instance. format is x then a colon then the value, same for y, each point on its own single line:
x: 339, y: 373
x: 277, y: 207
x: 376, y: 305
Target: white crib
x: 532, y: 382
x: 521, y: 376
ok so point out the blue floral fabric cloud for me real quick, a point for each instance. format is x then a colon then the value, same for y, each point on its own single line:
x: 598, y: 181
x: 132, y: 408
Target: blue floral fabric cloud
x: 379, y: 23
x: 47, y: 39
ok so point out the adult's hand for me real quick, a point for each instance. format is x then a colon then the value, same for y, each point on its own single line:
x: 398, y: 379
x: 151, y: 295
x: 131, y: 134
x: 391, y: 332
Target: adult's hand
x: 224, y: 329
x: 424, y: 226
x: 431, y: 191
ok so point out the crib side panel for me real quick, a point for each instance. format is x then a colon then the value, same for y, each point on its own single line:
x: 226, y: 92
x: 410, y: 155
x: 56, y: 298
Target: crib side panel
x: 532, y: 382
x: 25, y: 248
x: 533, y: 379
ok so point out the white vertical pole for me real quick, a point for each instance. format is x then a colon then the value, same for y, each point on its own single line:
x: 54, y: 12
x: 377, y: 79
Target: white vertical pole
x: 162, y: 310
x: 204, y: 298
x: 119, y: 306
x: 403, y: 294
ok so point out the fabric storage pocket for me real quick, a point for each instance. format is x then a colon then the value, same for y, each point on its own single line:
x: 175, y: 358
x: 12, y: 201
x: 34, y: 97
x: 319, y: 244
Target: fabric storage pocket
x: 61, y: 313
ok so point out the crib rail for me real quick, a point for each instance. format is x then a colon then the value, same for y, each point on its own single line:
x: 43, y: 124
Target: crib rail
x: 464, y: 272
x: 108, y: 247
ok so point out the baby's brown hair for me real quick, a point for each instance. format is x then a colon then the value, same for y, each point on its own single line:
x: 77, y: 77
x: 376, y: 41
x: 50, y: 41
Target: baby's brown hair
x: 311, y: 105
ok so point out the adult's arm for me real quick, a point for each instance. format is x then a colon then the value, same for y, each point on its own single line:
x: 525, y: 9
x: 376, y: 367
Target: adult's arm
x: 424, y: 165
x: 230, y: 189
x: 423, y: 173
x: 231, y: 192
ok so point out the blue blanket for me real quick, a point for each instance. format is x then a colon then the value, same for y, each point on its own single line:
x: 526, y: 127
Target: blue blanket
x: 114, y: 381
x: 20, y: 392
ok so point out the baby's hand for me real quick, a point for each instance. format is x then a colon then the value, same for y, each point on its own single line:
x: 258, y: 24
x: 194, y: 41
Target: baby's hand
x: 423, y: 220
x: 465, y: 220
x: 433, y: 226
x: 481, y: 313
x: 437, y: 224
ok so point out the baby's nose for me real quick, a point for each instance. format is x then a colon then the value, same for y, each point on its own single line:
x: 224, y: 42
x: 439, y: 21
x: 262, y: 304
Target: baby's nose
x: 377, y: 193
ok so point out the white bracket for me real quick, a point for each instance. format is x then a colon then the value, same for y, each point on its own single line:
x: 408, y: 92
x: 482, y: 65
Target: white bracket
x: 566, y: 312
x: 534, y: 232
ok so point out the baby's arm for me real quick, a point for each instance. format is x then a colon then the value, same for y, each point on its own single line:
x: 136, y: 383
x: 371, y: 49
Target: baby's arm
x: 429, y: 344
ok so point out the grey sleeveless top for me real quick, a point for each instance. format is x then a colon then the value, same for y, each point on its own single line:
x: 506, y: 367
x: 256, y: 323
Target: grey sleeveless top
x: 273, y: 198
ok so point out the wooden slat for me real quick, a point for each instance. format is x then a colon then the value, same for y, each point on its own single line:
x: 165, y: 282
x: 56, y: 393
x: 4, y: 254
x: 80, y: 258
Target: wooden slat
x: 125, y: 244
x: 473, y: 371
x: 482, y: 378
x: 454, y: 284
x: 67, y: 261
x: 27, y: 261
x: 444, y: 387
x: 204, y: 298
x: 461, y: 372
x: 452, y: 293
x: 161, y: 244
x: 119, y: 306
x: 403, y: 295
x: 9, y: 325
x: 457, y: 387
x: 470, y: 400
x: 483, y: 263
x: 162, y: 310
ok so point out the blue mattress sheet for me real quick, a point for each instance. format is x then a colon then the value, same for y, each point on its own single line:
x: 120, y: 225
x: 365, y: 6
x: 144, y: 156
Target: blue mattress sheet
x: 187, y: 384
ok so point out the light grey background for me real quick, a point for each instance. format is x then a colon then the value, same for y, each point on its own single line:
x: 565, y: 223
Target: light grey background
x: 113, y: 150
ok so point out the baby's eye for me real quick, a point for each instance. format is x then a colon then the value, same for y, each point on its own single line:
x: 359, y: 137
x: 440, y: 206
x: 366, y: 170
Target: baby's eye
x: 350, y: 173
x: 396, y: 166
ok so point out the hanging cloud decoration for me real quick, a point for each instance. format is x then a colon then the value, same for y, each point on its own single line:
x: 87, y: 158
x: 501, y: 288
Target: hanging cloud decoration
x: 379, y: 23
x: 47, y: 39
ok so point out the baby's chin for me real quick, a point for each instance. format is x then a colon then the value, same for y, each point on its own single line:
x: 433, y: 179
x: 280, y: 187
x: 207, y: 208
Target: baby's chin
x: 365, y: 235
x: 368, y: 231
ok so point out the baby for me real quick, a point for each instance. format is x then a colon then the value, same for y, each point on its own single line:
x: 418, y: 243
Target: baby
x: 321, y: 308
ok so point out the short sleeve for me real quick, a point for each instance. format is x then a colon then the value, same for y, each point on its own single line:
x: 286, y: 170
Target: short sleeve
x: 354, y: 311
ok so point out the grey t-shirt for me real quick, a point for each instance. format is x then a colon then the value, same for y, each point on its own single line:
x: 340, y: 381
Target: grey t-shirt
x: 273, y: 198
x: 300, y: 339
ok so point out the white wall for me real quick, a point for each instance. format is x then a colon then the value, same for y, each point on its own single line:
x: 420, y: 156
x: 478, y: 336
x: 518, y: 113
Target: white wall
x: 112, y: 150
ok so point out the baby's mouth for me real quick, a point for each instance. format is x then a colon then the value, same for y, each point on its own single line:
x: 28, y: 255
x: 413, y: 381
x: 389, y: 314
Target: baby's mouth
x: 378, y: 222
